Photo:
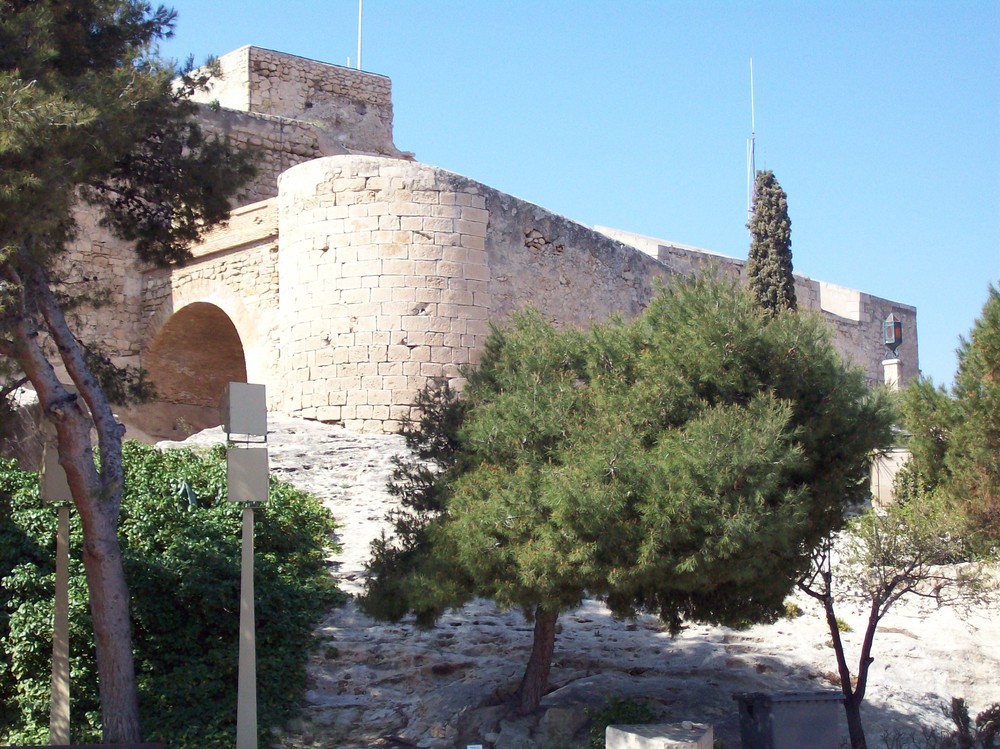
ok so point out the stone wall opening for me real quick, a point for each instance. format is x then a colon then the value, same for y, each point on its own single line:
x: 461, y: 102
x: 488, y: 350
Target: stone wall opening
x: 195, y: 354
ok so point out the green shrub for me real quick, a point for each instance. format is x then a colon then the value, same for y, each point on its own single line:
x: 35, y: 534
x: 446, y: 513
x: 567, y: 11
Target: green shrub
x: 792, y: 610
x: 180, y: 541
x: 617, y: 711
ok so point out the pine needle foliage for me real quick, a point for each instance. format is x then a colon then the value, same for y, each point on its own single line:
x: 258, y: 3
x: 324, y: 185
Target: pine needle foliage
x: 769, y: 266
x: 683, y: 463
x: 92, y: 119
x: 956, y: 435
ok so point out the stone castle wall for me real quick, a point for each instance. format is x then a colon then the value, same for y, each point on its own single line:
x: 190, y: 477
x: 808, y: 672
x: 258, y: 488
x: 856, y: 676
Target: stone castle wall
x: 106, y: 268
x: 390, y: 271
x: 856, y: 317
x: 383, y: 284
x: 351, y: 275
x: 291, y: 109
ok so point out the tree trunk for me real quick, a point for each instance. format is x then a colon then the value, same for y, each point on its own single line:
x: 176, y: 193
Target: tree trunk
x: 536, y: 675
x: 852, y: 706
x: 852, y: 696
x: 96, y: 496
x: 109, y: 609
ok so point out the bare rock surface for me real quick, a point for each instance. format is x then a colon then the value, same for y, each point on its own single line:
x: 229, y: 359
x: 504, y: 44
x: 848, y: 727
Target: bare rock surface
x: 375, y: 684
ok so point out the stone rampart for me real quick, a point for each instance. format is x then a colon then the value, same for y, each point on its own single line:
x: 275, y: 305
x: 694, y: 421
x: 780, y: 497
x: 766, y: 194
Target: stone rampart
x: 252, y: 79
x: 105, y: 269
x: 855, y: 317
x: 292, y: 109
x: 212, y: 321
x: 389, y: 271
x: 383, y: 283
x: 352, y: 275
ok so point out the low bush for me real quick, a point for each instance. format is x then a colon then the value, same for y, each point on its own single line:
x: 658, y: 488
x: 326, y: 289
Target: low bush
x: 180, y: 541
x: 617, y: 711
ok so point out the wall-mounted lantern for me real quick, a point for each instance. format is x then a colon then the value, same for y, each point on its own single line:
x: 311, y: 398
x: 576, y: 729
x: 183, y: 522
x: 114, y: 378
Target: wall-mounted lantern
x: 244, y: 415
x: 892, y: 333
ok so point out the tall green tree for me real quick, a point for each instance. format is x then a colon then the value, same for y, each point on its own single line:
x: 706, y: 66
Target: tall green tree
x: 956, y: 435
x: 683, y: 463
x: 89, y: 117
x: 769, y: 266
x: 973, y: 457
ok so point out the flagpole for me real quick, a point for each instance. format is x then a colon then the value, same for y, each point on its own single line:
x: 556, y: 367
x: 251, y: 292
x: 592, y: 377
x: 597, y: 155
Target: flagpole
x: 360, y: 2
x: 751, y: 147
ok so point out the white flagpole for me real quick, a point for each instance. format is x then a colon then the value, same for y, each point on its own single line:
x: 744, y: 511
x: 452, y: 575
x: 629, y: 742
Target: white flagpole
x: 360, y: 2
x: 751, y: 162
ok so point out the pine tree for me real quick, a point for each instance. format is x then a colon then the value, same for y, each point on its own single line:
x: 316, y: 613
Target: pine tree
x: 769, y: 266
x: 89, y: 116
x: 956, y: 435
x: 974, y: 457
x: 683, y: 463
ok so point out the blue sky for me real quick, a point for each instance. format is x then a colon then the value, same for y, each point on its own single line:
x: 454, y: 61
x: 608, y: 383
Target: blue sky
x: 881, y: 120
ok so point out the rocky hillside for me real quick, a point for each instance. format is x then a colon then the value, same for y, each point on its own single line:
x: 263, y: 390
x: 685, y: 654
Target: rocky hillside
x: 373, y: 684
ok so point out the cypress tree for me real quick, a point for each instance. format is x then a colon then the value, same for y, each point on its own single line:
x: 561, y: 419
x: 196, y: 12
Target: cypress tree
x: 769, y: 267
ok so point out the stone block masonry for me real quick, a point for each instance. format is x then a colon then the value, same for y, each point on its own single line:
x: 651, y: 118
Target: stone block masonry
x: 383, y: 270
x: 291, y: 109
x: 390, y: 273
x: 350, y: 275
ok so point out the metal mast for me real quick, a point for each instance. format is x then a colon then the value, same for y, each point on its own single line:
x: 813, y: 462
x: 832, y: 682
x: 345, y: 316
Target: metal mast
x: 751, y: 164
x: 360, y: 3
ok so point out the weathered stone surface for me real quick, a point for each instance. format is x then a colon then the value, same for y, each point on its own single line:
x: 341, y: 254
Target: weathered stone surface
x: 685, y: 735
x: 373, y: 683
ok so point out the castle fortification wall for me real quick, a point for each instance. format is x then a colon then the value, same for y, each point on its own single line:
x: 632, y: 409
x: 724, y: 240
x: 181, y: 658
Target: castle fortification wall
x: 292, y: 109
x: 390, y: 270
x: 383, y: 282
x: 855, y: 317
x: 352, y: 275
x: 105, y: 268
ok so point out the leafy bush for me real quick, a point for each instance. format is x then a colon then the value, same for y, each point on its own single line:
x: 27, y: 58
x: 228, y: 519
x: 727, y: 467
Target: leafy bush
x: 617, y: 711
x: 181, y: 545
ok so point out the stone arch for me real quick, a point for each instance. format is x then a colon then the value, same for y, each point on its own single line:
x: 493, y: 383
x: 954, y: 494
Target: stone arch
x: 194, y: 355
x: 200, y: 338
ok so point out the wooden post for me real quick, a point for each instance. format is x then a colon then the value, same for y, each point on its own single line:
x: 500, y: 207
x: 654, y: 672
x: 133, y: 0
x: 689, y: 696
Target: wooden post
x: 246, y: 698
x: 59, y: 707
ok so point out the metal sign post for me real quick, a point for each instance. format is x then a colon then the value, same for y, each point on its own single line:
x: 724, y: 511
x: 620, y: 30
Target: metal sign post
x: 55, y: 489
x: 244, y: 413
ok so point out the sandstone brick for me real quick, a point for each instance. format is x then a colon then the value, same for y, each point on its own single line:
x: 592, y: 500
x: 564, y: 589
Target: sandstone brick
x: 446, y: 211
x: 420, y: 354
x: 426, y: 252
x: 471, y: 228
x: 471, y: 201
x: 478, y: 215
x: 435, y: 225
x: 328, y: 413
